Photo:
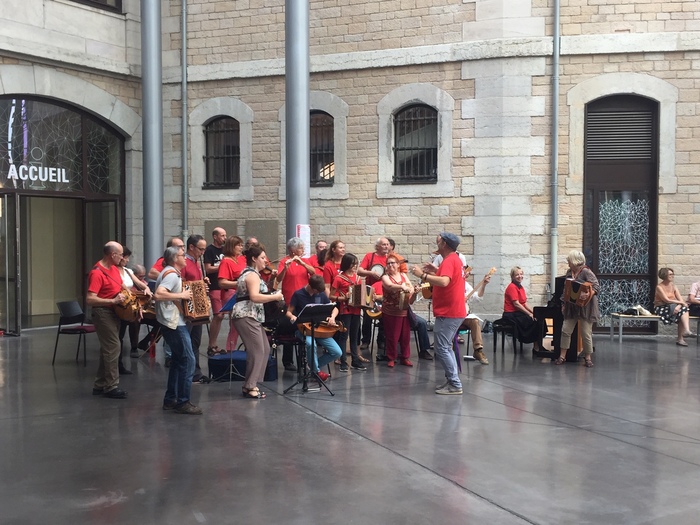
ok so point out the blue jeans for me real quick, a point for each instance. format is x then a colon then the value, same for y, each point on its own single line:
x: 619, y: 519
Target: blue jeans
x: 332, y: 351
x: 181, y: 366
x: 444, y: 332
x: 421, y: 328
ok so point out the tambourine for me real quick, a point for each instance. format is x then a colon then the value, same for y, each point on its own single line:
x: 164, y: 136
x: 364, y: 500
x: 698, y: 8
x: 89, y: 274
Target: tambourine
x: 377, y: 269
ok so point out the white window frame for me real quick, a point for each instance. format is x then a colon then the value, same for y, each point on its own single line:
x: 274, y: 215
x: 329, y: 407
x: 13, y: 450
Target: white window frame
x: 199, y: 118
x: 338, y: 109
x: 394, y: 101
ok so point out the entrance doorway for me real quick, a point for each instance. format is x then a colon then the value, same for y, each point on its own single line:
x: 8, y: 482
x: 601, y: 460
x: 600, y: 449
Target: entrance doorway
x: 620, y: 202
x: 47, y: 248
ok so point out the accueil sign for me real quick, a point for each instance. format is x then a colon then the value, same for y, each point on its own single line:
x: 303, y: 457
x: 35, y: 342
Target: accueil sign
x: 37, y: 173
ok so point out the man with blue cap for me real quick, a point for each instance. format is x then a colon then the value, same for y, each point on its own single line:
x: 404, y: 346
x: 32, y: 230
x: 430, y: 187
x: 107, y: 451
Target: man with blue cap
x: 448, y: 306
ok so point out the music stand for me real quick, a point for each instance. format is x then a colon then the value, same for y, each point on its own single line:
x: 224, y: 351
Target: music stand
x: 314, y: 314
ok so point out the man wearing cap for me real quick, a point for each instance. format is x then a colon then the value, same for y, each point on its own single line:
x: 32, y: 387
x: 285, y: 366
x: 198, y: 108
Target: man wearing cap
x: 448, y: 306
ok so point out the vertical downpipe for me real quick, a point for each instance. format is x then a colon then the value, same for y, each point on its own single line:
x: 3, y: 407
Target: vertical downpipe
x: 554, y: 232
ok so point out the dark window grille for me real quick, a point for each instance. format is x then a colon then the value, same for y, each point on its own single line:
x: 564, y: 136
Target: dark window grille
x: 108, y: 5
x: 223, y: 154
x: 415, y: 145
x: 322, y: 149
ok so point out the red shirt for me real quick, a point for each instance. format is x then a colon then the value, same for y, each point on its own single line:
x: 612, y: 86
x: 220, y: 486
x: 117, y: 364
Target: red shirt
x: 390, y: 306
x: 192, y: 270
x: 230, y: 269
x: 514, y: 293
x: 370, y: 260
x: 342, y: 283
x: 159, y: 264
x: 313, y: 261
x: 330, y: 271
x: 294, y: 279
x: 105, y: 282
x: 448, y: 301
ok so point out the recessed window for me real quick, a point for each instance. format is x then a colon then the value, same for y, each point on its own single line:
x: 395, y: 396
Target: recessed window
x: 109, y: 5
x: 223, y: 154
x: 416, y: 145
x: 322, y: 149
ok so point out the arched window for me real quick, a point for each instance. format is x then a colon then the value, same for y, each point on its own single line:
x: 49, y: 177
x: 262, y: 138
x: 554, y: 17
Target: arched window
x: 322, y: 149
x: 223, y: 153
x: 415, y: 145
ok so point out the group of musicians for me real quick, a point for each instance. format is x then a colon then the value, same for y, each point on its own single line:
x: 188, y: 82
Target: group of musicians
x: 330, y: 274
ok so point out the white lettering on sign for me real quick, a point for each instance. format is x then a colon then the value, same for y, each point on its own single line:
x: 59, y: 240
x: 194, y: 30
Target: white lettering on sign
x: 39, y: 173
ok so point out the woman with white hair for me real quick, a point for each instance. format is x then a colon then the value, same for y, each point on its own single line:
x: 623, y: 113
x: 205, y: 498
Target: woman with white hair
x: 585, y: 315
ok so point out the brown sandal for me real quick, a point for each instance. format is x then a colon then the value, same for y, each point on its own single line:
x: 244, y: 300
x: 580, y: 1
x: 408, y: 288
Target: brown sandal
x: 560, y: 360
x: 588, y: 362
x: 362, y: 359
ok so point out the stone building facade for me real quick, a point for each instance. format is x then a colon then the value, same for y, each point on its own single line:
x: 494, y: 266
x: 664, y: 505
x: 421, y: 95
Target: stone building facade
x: 484, y: 66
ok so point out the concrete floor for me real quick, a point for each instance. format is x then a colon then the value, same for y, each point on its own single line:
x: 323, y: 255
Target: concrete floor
x: 529, y: 442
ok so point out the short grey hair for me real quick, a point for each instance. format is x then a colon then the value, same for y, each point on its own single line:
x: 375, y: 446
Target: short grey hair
x: 576, y: 258
x: 170, y: 254
x: 294, y: 243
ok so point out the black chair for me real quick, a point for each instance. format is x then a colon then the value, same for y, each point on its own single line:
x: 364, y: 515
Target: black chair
x: 72, y: 314
x: 505, y: 326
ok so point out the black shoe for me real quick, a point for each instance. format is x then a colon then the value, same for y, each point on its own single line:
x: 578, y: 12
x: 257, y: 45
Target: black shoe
x: 135, y: 352
x: 344, y: 367
x: 167, y: 362
x: 356, y: 365
x: 201, y: 380
x: 289, y: 367
x: 97, y: 391
x: 124, y: 372
x: 169, y: 405
x: 189, y: 409
x: 425, y: 355
x: 381, y: 357
x: 117, y: 393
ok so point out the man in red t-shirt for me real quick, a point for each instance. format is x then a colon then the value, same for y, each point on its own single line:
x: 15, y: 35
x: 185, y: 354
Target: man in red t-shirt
x: 375, y: 259
x: 313, y: 260
x: 158, y: 266
x: 448, y: 306
x: 104, y: 291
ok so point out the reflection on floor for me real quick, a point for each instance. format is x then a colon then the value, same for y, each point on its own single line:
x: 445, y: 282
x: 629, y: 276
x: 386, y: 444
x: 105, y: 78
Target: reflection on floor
x: 528, y: 442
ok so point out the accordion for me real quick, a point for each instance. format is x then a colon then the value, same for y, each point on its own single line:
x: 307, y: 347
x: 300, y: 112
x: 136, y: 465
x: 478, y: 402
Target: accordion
x: 197, y: 310
x: 573, y: 290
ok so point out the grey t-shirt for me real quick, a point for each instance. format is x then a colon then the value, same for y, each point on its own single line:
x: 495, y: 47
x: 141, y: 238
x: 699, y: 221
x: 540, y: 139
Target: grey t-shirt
x: 167, y: 313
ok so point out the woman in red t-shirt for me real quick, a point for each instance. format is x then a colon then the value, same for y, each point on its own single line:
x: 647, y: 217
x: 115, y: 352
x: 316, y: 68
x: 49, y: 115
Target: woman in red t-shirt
x: 332, y: 266
x: 516, y: 309
x: 232, y: 264
x: 397, y: 329
x: 349, y: 315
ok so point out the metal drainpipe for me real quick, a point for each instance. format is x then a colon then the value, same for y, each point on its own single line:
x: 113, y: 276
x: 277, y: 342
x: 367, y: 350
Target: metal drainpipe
x: 554, y: 233
x: 184, y: 120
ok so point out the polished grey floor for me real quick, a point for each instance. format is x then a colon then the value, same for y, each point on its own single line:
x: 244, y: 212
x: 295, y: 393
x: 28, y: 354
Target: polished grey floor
x: 529, y: 442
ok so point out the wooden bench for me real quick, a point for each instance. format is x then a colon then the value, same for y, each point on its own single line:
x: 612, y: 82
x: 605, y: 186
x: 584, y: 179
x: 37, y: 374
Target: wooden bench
x: 621, y: 318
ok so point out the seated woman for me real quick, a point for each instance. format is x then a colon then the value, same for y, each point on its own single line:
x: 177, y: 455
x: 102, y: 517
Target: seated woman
x: 516, y: 309
x: 670, y: 306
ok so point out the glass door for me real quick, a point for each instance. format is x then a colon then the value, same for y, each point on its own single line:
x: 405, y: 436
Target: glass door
x: 9, y: 273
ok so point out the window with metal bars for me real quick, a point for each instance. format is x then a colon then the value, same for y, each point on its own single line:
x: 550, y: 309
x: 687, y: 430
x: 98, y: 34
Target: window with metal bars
x: 415, y: 145
x: 223, y: 154
x: 322, y: 149
x: 108, y: 5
